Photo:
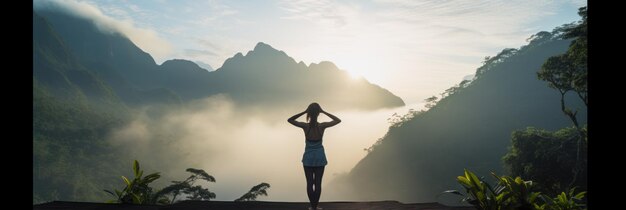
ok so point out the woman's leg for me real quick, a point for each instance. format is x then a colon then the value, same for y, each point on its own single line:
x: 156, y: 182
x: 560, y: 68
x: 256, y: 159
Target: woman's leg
x: 308, y: 173
x: 318, y: 173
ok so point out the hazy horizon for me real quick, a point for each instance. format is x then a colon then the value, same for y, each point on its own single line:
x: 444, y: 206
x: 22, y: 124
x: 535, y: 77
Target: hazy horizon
x: 414, y: 49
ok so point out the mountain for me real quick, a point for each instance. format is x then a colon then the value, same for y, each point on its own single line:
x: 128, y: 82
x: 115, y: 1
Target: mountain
x: 471, y: 128
x: 58, y: 72
x: 73, y: 111
x: 267, y: 76
x: 204, y: 65
x: 125, y: 67
x: 264, y: 76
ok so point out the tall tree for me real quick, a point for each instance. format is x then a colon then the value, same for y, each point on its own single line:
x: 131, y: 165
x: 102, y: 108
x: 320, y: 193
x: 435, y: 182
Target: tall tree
x: 568, y: 72
x: 260, y: 189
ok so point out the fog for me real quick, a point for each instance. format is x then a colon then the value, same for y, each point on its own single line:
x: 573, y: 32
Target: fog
x: 242, y: 146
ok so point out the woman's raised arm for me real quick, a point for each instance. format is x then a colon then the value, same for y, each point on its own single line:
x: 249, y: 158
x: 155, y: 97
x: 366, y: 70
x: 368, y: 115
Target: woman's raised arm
x: 293, y: 121
x: 335, y: 119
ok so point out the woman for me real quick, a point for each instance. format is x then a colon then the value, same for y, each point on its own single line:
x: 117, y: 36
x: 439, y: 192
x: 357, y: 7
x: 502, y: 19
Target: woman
x: 314, y: 158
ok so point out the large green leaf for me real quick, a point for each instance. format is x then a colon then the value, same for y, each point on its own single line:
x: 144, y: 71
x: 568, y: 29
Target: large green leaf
x: 580, y: 195
x: 452, y: 192
x: 475, y: 181
x: 151, y: 177
x: 119, y: 194
x: 136, y: 198
x: 464, y: 181
x: 109, y: 192
x: 126, y: 181
x: 136, y: 168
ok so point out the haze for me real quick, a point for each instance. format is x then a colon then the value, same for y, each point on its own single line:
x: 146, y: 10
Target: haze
x: 414, y: 49
x: 242, y: 148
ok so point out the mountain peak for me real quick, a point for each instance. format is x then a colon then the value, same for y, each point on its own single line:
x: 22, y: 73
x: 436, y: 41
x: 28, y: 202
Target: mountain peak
x: 265, y: 49
x: 262, y: 46
x: 175, y: 62
x: 323, y: 65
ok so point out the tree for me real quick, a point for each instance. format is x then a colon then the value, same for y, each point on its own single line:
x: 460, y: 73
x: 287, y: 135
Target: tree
x: 431, y: 102
x: 568, y: 72
x: 138, y: 190
x: 490, y: 61
x: 187, y: 187
x: 544, y: 157
x: 260, y: 189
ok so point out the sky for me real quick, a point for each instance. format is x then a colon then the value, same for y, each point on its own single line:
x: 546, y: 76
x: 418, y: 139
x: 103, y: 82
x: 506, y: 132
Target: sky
x: 413, y: 48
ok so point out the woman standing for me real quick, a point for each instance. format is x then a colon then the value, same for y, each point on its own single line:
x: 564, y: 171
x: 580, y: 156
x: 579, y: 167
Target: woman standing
x: 314, y: 158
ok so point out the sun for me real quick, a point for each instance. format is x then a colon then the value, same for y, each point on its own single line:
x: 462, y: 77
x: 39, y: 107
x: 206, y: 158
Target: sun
x: 360, y: 62
x: 354, y: 75
x: 354, y: 67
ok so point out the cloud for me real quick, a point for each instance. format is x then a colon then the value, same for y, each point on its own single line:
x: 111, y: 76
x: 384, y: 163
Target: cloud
x: 145, y: 38
x: 208, y: 44
x: 242, y: 147
x: 198, y: 53
x: 215, y: 14
x: 488, y: 16
x: 319, y: 11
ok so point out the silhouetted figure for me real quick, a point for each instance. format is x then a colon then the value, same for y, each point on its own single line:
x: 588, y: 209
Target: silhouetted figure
x: 314, y: 158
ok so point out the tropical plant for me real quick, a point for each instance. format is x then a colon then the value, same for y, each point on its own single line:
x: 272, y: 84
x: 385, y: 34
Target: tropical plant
x: 516, y: 193
x: 479, y: 193
x: 513, y: 193
x: 136, y: 190
x: 260, y: 189
x: 563, y: 201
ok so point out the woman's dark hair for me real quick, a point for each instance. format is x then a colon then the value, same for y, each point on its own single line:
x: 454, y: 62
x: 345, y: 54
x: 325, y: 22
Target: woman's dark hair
x: 312, y: 112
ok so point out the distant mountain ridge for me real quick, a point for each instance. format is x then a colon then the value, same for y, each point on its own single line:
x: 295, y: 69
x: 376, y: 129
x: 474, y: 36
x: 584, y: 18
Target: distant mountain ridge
x: 264, y: 76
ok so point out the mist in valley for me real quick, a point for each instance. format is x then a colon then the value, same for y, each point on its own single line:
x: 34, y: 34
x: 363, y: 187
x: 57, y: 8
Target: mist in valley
x: 242, y: 146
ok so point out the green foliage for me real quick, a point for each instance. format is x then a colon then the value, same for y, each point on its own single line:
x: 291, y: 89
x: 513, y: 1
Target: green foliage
x: 563, y: 201
x: 187, y: 187
x: 513, y: 193
x: 199, y: 174
x: 69, y: 145
x: 258, y: 190
x: 73, y: 114
x: 565, y: 73
x: 491, y: 62
x: 508, y: 193
x: 546, y: 157
x: 568, y: 72
x: 557, y: 71
x: 431, y: 102
x: 136, y: 190
x: 397, y: 120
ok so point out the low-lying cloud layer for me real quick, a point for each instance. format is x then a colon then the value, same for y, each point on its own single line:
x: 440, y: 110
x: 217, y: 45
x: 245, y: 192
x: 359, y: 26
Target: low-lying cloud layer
x: 242, y: 148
